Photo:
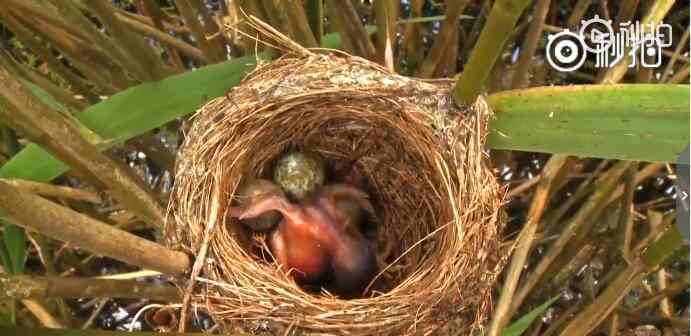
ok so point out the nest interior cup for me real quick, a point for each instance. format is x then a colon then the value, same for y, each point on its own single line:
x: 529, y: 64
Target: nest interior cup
x: 424, y: 166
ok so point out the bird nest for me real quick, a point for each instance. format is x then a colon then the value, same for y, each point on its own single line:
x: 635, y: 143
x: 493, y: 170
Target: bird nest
x: 422, y: 161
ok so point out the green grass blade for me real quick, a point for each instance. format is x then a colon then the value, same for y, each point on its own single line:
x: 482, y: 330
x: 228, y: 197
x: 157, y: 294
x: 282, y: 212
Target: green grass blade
x: 646, y: 122
x: 14, y: 241
x: 517, y: 328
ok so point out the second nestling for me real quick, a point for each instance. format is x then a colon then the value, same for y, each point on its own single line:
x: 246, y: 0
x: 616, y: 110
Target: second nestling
x: 318, y: 235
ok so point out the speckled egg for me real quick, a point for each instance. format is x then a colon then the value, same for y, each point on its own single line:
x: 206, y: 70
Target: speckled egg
x: 300, y: 174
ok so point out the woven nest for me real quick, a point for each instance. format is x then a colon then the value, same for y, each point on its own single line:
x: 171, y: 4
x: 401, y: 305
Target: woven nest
x: 425, y: 170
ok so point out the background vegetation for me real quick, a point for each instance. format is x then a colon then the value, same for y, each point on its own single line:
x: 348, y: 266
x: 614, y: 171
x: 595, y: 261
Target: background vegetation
x: 94, y: 98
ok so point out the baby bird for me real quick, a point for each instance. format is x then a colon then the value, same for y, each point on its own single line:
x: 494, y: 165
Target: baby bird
x: 320, y: 239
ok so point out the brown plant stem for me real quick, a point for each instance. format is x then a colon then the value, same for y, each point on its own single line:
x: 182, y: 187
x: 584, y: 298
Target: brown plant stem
x: 681, y: 76
x: 51, y: 190
x: 170, y: 23
x: 625, y: 222
x: 297, y: 18
x: 42, y: 315
x: 49, y: 128
x: 521, y: 77
x: 677, y: 53
x: 149, y: 65
x: 37, y: 287
x: 348, y: 22
x: 151, y: 9
x: 212, y: 48
x: 443, y: 40
x: 277, y: 17
x: 243, y: 31
x: 43, y: 13
x: 58, y: 222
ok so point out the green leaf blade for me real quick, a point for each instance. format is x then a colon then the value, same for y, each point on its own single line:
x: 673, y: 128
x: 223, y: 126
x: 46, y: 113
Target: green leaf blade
x: 519, y: 327
x: 627, y: 122
x: 14, y: 241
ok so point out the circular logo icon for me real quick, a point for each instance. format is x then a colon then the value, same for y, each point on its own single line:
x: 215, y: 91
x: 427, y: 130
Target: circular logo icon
x: 597, y: 34
x: 565, y: 51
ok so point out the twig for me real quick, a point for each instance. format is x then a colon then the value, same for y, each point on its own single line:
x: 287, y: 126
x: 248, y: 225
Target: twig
x: 50, y: 190
x: 625, y: 224
x: 131, y: 275
x: 681, y: 76
x: 42, y: 314
x: 523, y: 187
x: 65, y: 224
x: 215, y: 214
x: 95, y: 313
x: 38, y: 287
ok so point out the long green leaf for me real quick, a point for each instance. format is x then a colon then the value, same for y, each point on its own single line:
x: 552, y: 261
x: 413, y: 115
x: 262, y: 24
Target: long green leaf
x: 517, y: 328
x: 646, y: 122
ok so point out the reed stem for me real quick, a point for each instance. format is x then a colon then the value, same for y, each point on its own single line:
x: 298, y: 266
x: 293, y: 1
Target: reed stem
x: 502, y: 18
